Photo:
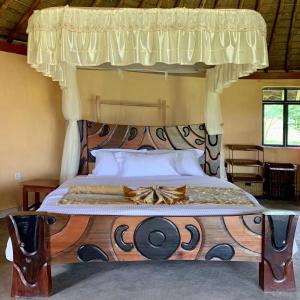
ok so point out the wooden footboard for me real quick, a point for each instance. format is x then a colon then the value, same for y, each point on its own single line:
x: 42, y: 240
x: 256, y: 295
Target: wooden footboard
x: 40, y: 240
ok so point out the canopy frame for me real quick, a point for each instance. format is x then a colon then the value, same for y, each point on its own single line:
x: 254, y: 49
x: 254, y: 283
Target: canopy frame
x: 231, y: 43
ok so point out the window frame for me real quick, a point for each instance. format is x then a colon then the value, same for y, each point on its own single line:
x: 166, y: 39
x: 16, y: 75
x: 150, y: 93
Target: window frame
x: 285, y: 104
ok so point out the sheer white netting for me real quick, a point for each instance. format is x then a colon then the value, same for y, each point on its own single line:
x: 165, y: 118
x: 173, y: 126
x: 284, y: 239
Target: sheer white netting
x: 63, y: 38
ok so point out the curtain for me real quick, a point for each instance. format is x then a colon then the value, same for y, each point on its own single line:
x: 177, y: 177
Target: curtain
x: 232, y: 43
x: 72, y: 113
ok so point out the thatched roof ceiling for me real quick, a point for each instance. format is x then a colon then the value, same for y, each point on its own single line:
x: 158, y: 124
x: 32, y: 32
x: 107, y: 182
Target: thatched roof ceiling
x: 282, y: 18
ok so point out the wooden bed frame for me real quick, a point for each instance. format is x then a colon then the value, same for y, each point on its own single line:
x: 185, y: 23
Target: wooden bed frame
x: 40, y: 239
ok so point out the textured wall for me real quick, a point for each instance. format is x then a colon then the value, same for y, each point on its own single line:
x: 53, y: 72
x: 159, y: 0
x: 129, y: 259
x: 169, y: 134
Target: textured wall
x: 32, y: 126
x: 241, y: 105
x: 184, y: 97
x: 242, y: 113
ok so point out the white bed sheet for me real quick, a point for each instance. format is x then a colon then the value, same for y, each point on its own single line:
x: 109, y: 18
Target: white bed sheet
x: 50, y: 204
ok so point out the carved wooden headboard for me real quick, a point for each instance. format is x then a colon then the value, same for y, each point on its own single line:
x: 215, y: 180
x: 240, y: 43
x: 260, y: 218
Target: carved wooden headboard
x: 99, y: 136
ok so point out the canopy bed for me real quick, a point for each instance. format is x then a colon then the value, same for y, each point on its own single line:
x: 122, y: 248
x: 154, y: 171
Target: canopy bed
x: 90, y: 217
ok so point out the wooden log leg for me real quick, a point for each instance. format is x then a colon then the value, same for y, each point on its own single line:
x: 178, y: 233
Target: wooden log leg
x: 41, y: 287
x: 276, y: 272
x: 31, y: 268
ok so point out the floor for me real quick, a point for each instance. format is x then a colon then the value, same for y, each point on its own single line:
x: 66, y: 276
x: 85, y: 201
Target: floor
x: 156, y: 280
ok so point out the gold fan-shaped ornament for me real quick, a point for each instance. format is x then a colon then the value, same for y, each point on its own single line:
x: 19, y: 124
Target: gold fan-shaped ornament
x: 156, y: 195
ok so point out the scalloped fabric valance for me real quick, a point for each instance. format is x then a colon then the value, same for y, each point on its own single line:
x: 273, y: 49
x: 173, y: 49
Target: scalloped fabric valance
x: 90, y: 37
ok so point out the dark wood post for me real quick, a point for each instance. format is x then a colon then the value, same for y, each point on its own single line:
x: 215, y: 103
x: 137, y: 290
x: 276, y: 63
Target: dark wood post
x: 37, y: 201
x: 31, y: 268
x: 276, y: 272
x: 25, y: 199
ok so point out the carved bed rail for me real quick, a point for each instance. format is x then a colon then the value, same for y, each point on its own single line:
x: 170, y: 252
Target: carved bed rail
x: 40, y: 239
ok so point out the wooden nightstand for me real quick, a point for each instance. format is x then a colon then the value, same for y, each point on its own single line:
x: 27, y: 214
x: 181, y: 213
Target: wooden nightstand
x: 37, y: 186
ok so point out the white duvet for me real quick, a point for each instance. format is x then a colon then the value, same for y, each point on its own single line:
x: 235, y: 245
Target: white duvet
x: 50, y: 204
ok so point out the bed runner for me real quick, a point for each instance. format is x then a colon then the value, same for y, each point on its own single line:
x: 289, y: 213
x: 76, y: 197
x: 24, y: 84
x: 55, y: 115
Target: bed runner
x: 102, y: 195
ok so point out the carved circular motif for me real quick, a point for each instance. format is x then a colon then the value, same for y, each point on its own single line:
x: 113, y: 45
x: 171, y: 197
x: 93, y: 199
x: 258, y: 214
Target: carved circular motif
x: 157, y: 238
x: 257, y: 220
x: 51, y: 220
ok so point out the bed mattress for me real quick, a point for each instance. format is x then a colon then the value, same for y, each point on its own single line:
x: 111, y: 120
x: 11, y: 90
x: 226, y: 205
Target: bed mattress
x: 51, y: 202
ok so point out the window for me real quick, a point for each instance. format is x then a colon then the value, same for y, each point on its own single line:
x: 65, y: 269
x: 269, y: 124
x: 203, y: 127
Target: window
x: 281, y: 116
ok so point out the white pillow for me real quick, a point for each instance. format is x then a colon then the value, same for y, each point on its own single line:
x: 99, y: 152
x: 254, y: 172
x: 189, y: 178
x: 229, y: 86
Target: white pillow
x: 106, y: 164
x: 113, y: 150
x: 198, y: 152
x: 146, y: 164
x: 188, y: 163
x: 110, y: 162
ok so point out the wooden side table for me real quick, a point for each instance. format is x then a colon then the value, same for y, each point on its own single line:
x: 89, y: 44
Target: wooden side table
x: 37, y: 186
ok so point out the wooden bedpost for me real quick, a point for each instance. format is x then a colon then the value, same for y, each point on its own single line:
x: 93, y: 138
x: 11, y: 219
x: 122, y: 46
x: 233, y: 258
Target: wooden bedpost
x: 276, y: 272
x: 31, y: 268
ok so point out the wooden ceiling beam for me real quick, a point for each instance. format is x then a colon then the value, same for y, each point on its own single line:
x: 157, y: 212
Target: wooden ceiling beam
x: 273, y: 30
x: 258, y: 5
x: 290, y: 34
x: 273, y: 75
x: 277, y: 16
x: 202, y: 3
x: 12, y: 48
x: 23, y: 20
x: 216, y: 4
x: 258, y: 75
x: 240, y: 4
x: 142, y: 3
x: 159, y: 3
x: 121, y: 3
x: 95, y: 3
x: 4, y: 6
x: 178, y: 3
